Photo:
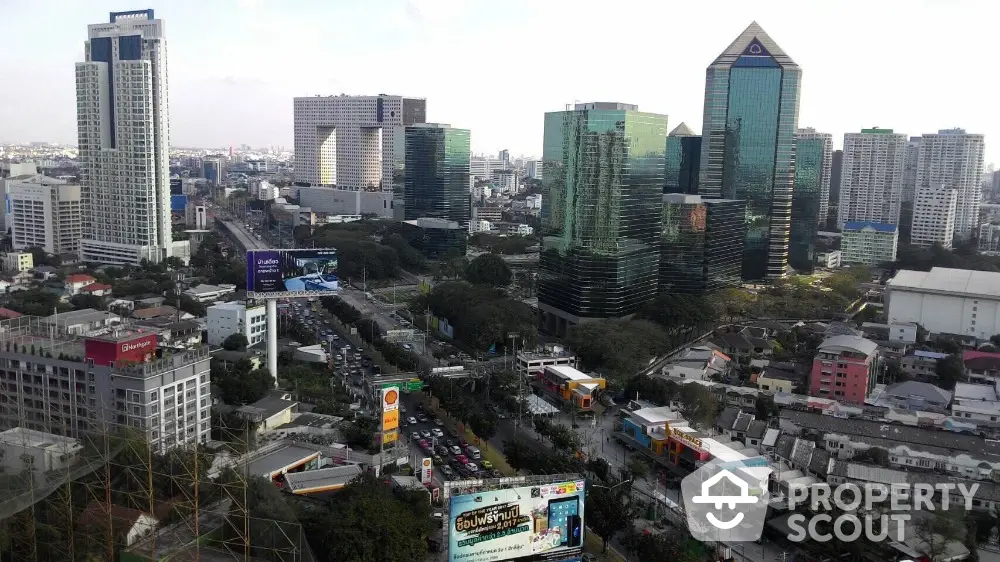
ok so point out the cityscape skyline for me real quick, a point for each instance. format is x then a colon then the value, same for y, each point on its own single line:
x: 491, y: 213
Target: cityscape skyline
x: 216, y: 90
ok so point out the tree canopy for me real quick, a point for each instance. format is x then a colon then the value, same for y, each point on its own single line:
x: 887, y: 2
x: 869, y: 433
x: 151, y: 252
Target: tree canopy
x: 235, y: 342
x: 618, y: 348
x: 488, y: 269
x: 481, y: 315
x: 507, y: 245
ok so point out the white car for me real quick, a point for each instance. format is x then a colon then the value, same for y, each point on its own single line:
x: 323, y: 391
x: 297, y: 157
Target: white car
x: 471, y: 467
x: 425, y: 434
x: 455, y: 450
x: 415, y: 436
x: 436, y: 432
x: 438, y: 422
x: 411, y: 420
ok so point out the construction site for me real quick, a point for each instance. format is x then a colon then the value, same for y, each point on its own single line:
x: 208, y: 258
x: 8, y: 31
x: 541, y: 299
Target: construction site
x: 83, y: 479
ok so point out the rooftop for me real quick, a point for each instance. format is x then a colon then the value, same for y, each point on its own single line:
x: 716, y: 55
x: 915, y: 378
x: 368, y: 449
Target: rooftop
x: 321, y: 480
x: 876, y: 226
x: 37, y: 439
x: 205, y: 289
x: 682, y: 130
x: 568, y: 373
x: 652, y: 416
x: 82, y: 316
x: 929, y: 354
x: 855, y: 344
x: 924, y: 390
x: 268, y: 406
x: 975, y: 392
x: 948, y: 280
x: 280, y: 459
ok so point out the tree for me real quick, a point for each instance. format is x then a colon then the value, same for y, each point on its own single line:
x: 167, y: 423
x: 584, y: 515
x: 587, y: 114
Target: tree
x: 484, y: 424
x: 950, y: 370
x: 699, y: 405
x: 609, y: 508
x: 936, y: 530
x: 236, y: 342
x: 242, y: 384
x: 765, y: 408
x: 488, y: 269
x: 638, y: 468
x: 86, y: 300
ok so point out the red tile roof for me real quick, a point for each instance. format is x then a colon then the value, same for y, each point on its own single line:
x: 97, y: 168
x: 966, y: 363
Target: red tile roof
x: 96, y: 287
x: 8, y: 313
x: 80, y: 278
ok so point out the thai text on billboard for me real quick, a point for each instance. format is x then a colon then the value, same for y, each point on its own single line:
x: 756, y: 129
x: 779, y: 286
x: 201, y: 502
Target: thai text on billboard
x: 543, y: 522
x: 277, y: 273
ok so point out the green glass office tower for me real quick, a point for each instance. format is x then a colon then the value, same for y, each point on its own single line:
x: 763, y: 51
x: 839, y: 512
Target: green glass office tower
x: 683, y: 161
x: 748, y: 143
x: 810, y: 195
x: 436, y: 173
x: 701, y: 246
x: 603, y: 178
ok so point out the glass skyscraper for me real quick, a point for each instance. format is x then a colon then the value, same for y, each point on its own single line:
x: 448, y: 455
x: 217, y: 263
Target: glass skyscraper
x: 436, y: 174
x: 701, y: 245
x: 603, y: 179
x: 810, y: 196
x: 683, y: 161
x: 748, y: 143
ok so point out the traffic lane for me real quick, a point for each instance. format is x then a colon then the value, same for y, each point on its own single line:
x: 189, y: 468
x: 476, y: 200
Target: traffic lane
x: 410, y: 410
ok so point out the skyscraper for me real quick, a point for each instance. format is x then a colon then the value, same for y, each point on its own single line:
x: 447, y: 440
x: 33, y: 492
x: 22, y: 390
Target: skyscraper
x: 954, y: 159
x: 910, y: 169
x: 701, y: 246
x: 437, y: 173
x: 835, y: 168
x: 934, y: 215
x: 683, y: 160
x: 871, y: 185
x: 810, y: 195
x: 353, y: 142
x: 601, y: 212
x: 123, y: 129
x: 748, y: 143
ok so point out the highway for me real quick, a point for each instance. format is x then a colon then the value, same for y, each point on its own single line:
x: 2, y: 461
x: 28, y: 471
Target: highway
x: 245, y: 239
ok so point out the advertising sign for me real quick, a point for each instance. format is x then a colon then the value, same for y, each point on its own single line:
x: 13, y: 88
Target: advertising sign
x: 390, y: 398
x: 291, y: 273
x: 390, y: 436
x: 426, y: 470
x: 390, y: 420
x: 543, y: 522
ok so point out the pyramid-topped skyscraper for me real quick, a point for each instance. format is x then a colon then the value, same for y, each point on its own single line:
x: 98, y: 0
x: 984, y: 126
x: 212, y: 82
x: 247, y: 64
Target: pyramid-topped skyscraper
x: 748, y: 143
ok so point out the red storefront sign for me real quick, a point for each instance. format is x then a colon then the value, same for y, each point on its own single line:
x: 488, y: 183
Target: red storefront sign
x: 133, y: 350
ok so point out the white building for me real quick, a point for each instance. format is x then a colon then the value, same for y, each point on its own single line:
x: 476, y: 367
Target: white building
x: 946, y: 301
x: 482, y: 167
x: 226, y: 319
x: 826, y: 167
x: 507, y: 180
x: 37, y: 450
x: 16, y: 169
x: 46, y: 213
x: 353, y: 142
x: 533, y: 169
x: 868, y: 243
x: 266, y: 191
x: 871, y: 178
x: 934, y: 215
x: 18, y: 261
x: 479, y: 226
x: 123, y: 127
x: 534, y: 201
x: 989, y: 239
x: 954, y: 158
x: 829, y: 260
x: 208, y: 293
x: 347, y: 201
x: 910, y: 169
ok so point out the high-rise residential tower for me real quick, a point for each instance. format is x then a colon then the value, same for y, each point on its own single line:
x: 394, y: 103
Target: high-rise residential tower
x: 748, y: 143
x: 954, y: 159
x: 683, y: 160
x: 353, y: 142
x: 835, y: 168
x: 934, y: 216
x: 123, y: 128
x: 601, y: 212
x: 871, y: 184
x: 437, y: 173
x: 810, y: 194
x: 910, y: 169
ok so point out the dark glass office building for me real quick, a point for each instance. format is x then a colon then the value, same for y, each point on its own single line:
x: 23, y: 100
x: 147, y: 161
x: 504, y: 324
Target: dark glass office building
x: 436, y: 239
x: 701, y: 246
x: 748, y: 144
x: 810, y: 196
x: 436, y: 175
x: 835, y: 168
x: 683, y: 161
x: 601, y: 210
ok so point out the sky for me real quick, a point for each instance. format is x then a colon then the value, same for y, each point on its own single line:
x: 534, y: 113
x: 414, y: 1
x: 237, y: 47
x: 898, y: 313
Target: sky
x: 496, y: 67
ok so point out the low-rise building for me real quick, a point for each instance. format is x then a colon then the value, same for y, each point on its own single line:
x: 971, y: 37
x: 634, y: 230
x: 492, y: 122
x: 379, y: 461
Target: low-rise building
x: 979, y: 402
x: 844, y: 369
x: 82, y: 321
x: 531, y: 365
x: 226, y: 319
x: 868, y: 243
x: 830, y: 260
x: 208, y: 293
x: 959, y: 302
x: 36, y: 450
x: 77, y: 281
x: 922, y: 365
x: 910, y: 395
x: 271, y: 411
x: 572, y: 386
x: 982, y: 367
x: 783, y: 377
x: 18, y: 261
x: 697, y: 363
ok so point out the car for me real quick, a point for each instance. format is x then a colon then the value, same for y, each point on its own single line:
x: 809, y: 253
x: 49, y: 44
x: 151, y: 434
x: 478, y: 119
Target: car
x: 450, y: 443
x: 424, y: 443
x: 448, y: 472
x: 471, y: 467
x: 438, y: 422
x: 454, y: 464
x: 425, y: 434
x: 487, y: 465
x: 462, y: 459
x: 436, y: 432
x: 495, y: 474
x: 463, y: 444
x: 415, y: 436
x: 451, y: 433
x: 427, y: 449
x: 453, y: 449
x: 438, y: 460
x: 412, y: 420
x: 423, y: 418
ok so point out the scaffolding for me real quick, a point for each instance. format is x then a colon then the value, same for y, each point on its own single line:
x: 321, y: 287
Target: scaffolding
x: 89, y: 489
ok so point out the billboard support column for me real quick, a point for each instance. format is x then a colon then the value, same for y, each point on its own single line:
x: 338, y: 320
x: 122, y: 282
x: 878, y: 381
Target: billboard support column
x: 272, y: 339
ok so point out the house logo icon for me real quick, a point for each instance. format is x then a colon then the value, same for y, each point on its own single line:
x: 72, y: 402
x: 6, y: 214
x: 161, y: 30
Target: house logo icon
x: 726, y: 502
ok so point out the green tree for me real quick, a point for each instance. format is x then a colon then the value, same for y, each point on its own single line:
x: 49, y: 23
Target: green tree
x: 765, y: 408
x: 242, y: 384
x: 950, y: 370
x: 236, y: 342
x: 698, y: 405
x: 488, y: 269
x: 936, y: 531
x: 609, y: 509
x: 86, y: 300
x: 484, y: 424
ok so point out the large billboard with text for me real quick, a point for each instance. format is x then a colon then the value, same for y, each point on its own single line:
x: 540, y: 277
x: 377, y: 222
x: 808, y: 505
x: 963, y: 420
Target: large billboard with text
x: 292, y: 273
x: 541, y: 522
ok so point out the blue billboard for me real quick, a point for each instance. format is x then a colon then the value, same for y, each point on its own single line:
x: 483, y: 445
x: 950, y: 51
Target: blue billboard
x: 291, y: 273
x: 529, y: 523
x: 178, y: 203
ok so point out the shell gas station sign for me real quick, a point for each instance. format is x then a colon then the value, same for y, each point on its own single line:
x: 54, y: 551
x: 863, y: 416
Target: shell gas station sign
x: 390, y: 414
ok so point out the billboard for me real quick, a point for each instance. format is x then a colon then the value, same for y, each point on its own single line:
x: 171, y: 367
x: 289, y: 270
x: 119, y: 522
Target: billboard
x: 390, y: 420
x: 542, y: 522
x: 390, y: 414
x: 390, y: 399
x: 291, y: 273
x: 426, y: 470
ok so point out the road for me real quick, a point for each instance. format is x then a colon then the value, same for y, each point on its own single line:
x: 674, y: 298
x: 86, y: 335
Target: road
x: 245, y: 239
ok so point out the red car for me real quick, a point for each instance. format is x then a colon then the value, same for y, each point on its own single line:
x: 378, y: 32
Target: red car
x: 462, y: 459
x: 424, y: 443
x: 463, y: 444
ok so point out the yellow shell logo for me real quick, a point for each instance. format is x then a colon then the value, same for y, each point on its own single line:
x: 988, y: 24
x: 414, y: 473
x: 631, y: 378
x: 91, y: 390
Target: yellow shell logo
x: 391, y: 396
x: 427, y: 462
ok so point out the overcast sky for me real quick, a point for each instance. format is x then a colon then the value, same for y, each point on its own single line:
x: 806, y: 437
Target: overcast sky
x: 496, y: 66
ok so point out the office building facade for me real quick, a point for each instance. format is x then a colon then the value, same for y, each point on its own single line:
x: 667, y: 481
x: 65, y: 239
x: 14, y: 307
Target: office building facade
x: 989, y: 239
x: 869, y: 243
x: 437, y: 173
x: 811, y: 193
x: 701, y: 245
x: 748, y: 143
x: 228, y: 318
x: 934, y: 216
x: 45, y: 213
x: 601, y: 212
x: 123, y: 127
x: 353, y: 142
x: 436, y: 239
x: 213, y: 170
x: 954, y: 159
x: 683, y: 161
x: 871, y: 185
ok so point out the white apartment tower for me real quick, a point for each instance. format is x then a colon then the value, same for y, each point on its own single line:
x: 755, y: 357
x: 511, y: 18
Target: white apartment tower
x: 871, y: 177
x: 826, y: 167
x: 353, y: 142
x: 954, y: 158
x: 910, y: 169
x: 123, y: 128
x: 45, y: 213
x: 934, y: 215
